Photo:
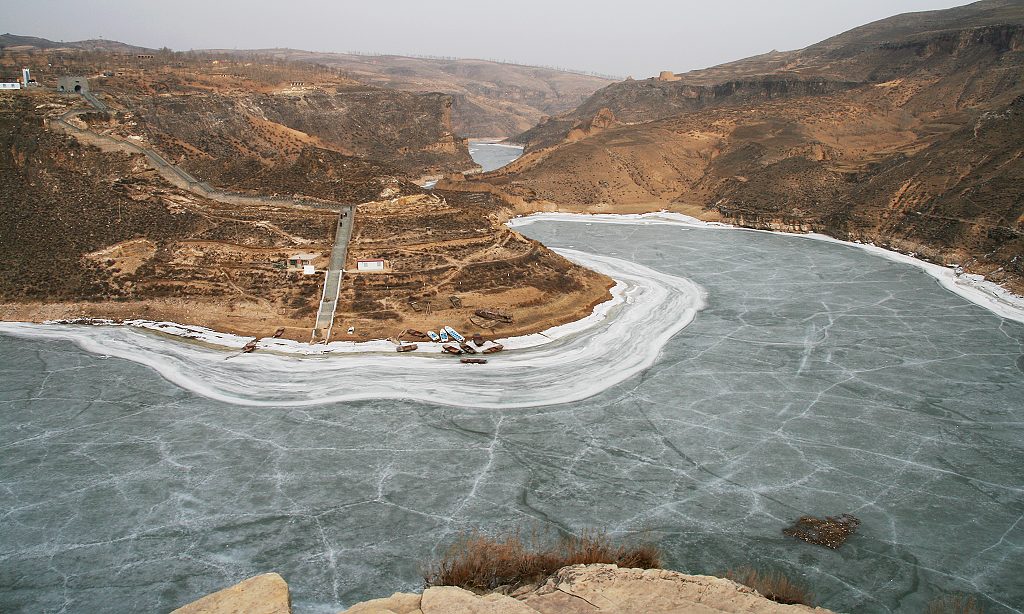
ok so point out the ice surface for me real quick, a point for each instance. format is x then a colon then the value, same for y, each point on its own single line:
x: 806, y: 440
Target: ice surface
x: 819, y: 379
x: 491, y: 156
x: 564, y: 363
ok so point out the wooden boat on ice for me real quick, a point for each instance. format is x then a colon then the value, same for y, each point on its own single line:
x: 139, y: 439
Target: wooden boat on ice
x: 451, y: 349
x: 467, y: 348
x: 249, y: 347
x: 494, y: 349
x: 474, y: 361
x: 494, y: 314
x: 406, y: 347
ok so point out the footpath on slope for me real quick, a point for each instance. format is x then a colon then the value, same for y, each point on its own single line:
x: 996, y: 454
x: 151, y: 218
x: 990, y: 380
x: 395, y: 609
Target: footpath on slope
x: 180, y: 178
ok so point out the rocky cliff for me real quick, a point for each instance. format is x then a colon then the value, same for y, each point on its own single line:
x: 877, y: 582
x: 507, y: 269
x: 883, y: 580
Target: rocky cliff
x: 964, y: 41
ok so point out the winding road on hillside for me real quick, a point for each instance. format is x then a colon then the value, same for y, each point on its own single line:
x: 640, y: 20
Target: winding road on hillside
x: 179, y: 177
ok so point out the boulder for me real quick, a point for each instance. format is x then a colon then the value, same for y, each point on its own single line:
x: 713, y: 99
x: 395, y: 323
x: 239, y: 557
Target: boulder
x: 453, y: 600
x: 398, y: 603
x: 264, y: 594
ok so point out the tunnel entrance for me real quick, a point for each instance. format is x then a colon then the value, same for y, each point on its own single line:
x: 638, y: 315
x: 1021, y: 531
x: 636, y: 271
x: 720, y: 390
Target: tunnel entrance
x: 78, y: 89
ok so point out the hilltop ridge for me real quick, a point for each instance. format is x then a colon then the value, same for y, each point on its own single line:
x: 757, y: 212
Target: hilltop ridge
x: 489, y: 98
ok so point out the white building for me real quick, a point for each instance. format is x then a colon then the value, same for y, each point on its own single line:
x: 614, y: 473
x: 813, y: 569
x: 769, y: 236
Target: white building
x: 374, y: 265
x: 10, y: 86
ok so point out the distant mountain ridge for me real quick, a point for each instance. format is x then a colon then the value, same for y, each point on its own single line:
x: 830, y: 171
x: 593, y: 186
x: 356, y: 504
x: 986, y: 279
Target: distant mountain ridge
x: 490, y: 98
x: 493, y: 99
x: 96, y: 44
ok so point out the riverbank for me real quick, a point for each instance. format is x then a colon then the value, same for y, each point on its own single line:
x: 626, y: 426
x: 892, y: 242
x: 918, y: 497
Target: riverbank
x: 560, y: 364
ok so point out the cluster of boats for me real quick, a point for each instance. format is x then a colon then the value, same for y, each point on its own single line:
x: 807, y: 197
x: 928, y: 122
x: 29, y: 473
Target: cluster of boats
x: 454, y: 343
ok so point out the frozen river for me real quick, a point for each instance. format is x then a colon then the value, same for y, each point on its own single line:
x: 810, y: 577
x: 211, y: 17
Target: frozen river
x: 818, y: 379
x: 492, y: 156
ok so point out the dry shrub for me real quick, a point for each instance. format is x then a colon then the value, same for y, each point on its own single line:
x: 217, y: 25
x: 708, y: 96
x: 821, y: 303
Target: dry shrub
x: 831, y: 532
x: 954, y: 604
x: 772, y: 585
x: 482, y: 563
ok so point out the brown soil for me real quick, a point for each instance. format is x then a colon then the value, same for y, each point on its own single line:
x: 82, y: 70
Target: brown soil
x: 451, y: 244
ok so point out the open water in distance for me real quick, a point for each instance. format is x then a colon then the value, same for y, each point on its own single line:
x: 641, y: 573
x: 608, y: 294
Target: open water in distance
x: 492, y: 156
x: 819, y: 380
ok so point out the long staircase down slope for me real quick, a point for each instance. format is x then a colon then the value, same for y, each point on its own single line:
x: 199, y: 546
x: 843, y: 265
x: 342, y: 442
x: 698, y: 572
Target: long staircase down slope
x: 332, y: 281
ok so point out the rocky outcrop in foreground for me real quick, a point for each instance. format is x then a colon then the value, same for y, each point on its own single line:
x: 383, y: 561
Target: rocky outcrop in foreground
x: 263, y: 594
x: 579, y: 589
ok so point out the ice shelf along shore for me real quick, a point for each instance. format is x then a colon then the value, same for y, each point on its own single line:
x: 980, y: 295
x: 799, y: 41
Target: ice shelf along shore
x: 974, y: 288
x: 619, y: 339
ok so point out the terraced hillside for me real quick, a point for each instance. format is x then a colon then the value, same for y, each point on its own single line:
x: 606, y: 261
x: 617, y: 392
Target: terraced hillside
x: 93, y: 234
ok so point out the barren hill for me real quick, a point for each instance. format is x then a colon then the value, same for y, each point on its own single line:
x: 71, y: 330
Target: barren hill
x: 491, y: 99
x: 105, y: 233
x: 907, y: 132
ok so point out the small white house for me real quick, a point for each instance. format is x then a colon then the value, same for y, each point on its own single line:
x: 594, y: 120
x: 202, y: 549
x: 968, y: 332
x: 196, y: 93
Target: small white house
x: 371, y: 265
x: 302, y: 262
x: 10, y: 86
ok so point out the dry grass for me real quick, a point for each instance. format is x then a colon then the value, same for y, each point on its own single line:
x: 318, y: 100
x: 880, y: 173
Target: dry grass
x: 954, y: 604
x: 772, y: 585
x: 481, y: 563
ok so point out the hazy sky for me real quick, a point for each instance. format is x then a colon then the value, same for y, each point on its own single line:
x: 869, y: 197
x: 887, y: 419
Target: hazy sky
x: 631, y: 37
